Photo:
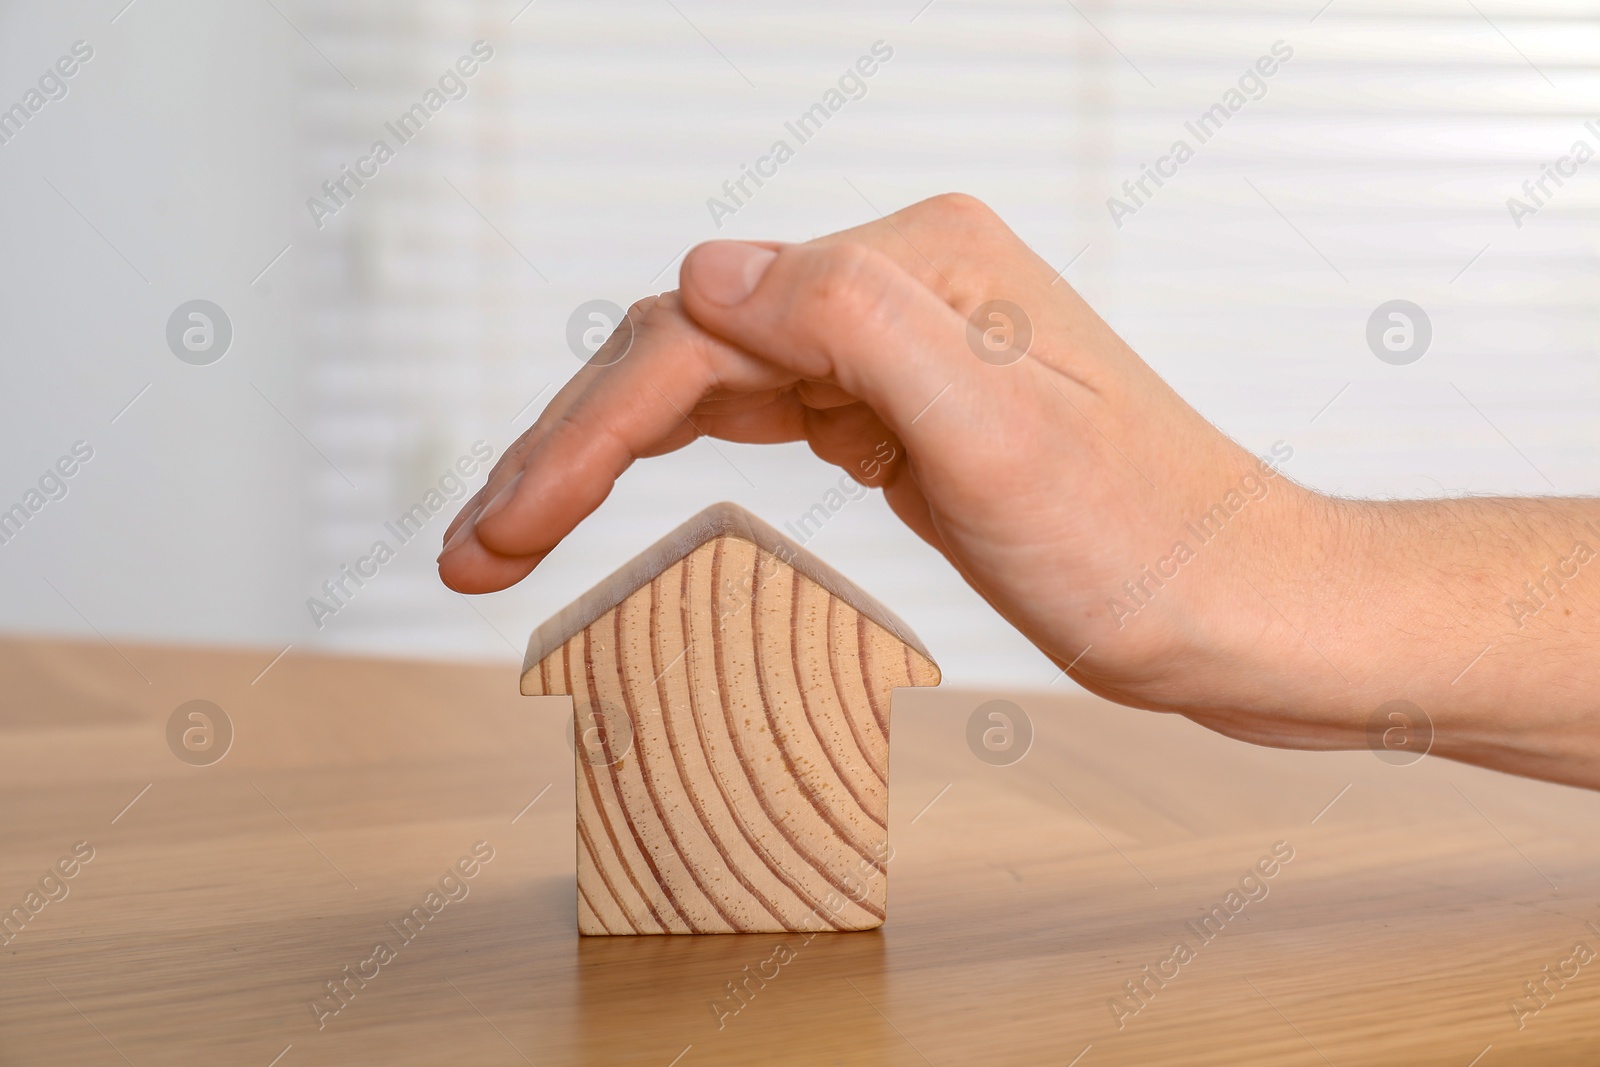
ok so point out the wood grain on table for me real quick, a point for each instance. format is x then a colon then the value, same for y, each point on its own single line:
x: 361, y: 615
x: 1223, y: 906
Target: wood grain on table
x: 220, y: 900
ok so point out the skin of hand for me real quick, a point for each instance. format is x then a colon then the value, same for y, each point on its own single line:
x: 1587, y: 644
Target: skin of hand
x: 1158, y: 562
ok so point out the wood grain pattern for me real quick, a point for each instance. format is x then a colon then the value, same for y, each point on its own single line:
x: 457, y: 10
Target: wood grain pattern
x: 217, y: 905
x: 733, y: 770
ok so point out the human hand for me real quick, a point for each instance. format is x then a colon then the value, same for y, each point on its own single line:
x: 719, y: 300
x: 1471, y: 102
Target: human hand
x: 1059, y: 485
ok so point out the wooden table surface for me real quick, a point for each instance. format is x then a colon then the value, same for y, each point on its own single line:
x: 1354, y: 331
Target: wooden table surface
x: 1021, y: 898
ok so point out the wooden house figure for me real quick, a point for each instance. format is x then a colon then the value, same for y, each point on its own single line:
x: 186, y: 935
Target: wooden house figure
x: 731, y: 713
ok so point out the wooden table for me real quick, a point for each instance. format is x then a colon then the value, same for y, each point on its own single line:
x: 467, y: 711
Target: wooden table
x: 220, y: 899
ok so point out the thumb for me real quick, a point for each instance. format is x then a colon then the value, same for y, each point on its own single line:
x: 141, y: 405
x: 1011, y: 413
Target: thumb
x: 840, y: 313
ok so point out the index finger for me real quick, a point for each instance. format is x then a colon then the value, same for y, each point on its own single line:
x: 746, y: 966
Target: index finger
x: 566, y: 465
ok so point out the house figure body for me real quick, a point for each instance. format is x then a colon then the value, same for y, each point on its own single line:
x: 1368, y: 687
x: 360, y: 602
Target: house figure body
x: 731, y: 701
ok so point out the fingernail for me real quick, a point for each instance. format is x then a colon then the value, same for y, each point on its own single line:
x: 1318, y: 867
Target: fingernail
x: 726, y: 272
x: 502, y: 498
x: 463, y: 532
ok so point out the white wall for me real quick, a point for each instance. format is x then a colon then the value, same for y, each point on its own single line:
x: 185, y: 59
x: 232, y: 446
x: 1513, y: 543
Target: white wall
x: 1376, y: 166
x: 174, y: 143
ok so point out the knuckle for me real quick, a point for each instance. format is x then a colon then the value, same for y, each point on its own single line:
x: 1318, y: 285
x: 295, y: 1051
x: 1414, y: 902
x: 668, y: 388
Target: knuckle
x: 963, y: 207
x: 958, y: 212
x: 652, y: 312
x: 963, y: 219
x: 652, y: 317
x: 847, y: 281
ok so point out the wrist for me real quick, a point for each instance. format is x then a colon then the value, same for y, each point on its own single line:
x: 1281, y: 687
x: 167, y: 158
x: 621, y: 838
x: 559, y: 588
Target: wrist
x: 1276, y: 629
x: 1366, y: 603
x: 1219, y: 628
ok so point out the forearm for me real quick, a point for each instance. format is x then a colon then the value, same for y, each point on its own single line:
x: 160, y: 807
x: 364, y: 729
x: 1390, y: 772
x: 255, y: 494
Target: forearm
x: 1485, y: 613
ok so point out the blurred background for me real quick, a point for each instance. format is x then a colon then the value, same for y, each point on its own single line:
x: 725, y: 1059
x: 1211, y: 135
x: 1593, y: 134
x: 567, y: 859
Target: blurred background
x: 373, y: 346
